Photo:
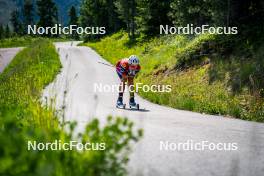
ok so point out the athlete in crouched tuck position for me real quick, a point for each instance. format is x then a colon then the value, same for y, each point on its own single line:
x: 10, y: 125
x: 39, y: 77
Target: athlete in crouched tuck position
x: 127, y: 69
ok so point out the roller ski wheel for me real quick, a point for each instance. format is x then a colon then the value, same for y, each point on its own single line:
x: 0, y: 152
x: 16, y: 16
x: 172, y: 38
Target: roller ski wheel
x: 133, y: 104
x: 135, y: 107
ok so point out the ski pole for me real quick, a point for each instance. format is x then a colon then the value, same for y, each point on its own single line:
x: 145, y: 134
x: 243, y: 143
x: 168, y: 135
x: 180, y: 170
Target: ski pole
x: 106, y: 64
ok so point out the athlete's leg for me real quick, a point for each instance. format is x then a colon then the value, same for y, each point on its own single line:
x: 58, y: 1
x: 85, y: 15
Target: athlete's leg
x: 121, y: 88
x: 131, y: 90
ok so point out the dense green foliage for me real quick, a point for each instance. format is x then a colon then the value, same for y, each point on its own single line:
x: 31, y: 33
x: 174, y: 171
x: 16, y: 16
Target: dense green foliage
x: 28, y: 12
x: 73, y: 21
x: 98, y: 13
x: 16, y: 23
x: 201, y: 81
x: 48, y: 13
x: 2, y: 32
x: 152, y: 14
x: 127, y: 12
x: 246, y: 15
x: 145, y: 16
x: 16, y: 159
x: 21, y: 18
x: 23, y: 119
x: 7, y: 32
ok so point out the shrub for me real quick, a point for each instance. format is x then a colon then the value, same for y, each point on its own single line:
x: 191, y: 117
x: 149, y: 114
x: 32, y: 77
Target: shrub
x: 16, y: 159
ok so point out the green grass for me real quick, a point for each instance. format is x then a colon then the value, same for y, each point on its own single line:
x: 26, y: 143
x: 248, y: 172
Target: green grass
x: 17, y: 42
x: 24, y: 79
x: 200, y: 82
x: 23, y: 41
x: 23, y: 119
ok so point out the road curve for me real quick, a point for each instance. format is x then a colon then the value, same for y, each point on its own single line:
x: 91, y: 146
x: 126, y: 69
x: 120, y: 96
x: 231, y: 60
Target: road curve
x: 81, y: 71
x: 6, y: 56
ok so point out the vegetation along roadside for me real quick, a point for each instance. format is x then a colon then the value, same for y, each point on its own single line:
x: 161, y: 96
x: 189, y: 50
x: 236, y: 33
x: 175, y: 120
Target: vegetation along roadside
x: 23, y: 119
x: 203, y: 77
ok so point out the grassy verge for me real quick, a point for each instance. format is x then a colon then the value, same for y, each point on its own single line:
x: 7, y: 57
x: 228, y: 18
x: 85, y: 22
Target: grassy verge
x: 23, y: 41
x: 200, y: 82
x: 17, y: 42
x: 24, y: 79
x: 24, y: 120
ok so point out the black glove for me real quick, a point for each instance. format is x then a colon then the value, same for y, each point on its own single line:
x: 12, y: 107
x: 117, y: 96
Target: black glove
x: 132, y: 73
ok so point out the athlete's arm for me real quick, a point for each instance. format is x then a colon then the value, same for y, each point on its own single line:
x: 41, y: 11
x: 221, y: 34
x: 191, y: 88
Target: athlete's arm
x: 124, y: 70
x: 134, y: 72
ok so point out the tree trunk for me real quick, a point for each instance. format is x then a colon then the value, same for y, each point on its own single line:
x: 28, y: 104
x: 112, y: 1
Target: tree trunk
x: 133, y: 18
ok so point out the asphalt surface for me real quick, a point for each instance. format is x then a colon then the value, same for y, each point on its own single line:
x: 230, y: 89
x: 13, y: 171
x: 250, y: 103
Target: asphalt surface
x: 6, y: 55
x: 81, y: 71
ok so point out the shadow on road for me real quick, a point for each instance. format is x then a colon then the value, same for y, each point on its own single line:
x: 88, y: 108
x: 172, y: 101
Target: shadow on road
x: 140, y: 110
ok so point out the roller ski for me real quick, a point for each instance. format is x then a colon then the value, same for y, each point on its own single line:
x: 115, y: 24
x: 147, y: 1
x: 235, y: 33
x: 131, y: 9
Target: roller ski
x: 120, y: 104
x: 133, y: 104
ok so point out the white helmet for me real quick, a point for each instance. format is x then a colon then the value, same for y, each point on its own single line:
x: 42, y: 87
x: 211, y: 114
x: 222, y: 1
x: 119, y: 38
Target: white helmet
x: 133, y: 60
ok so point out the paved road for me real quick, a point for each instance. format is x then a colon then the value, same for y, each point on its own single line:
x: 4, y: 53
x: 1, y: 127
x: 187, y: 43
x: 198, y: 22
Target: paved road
x: 6, y: 55
x: 81, y: 71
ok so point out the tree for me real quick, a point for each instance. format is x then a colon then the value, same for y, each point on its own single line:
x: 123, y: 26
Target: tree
x: 28, y: 13
x: 48, y: 13
x: 151, y: 14
x: 185, y: 12
x: 2, y: 32
x: 93, y: 13
x: 127, y: 12
x: 7, y: 32
x: 73, y: 21
x: 16, y: 23
x: 114, y: 23
x: 247, y: 15
x: 100, y: 13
